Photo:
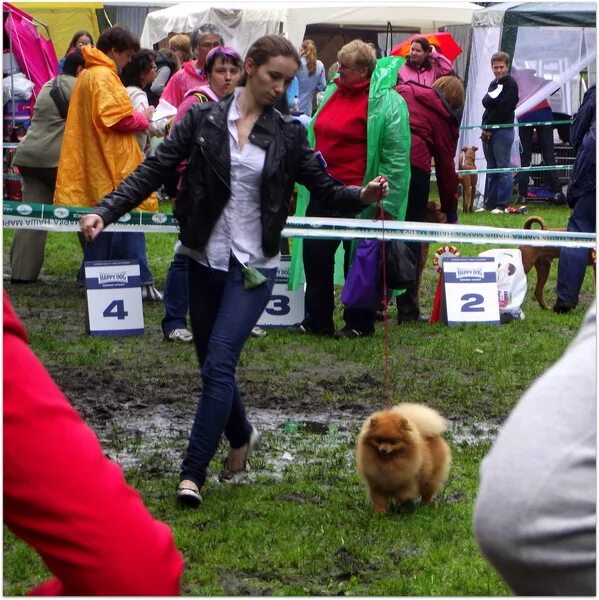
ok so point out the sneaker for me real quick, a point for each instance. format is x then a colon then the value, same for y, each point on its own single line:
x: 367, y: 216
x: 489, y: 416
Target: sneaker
x: 150, y: 293
x: 481, y: 209
x: 298, y: 328
x: 235, y: 477
x: 347, y: 332
x: 412, y: 318
x: 188, y: 493
x: 258, y: 332
x: 304, y: 329
x: 559, y: 198
x: 180, y: 335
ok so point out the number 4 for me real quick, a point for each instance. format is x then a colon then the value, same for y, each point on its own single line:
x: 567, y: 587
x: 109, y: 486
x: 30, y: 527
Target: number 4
x: 116, y: 309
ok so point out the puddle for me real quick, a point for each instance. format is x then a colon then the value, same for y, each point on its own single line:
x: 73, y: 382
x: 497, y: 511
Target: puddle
x: 160, y: 437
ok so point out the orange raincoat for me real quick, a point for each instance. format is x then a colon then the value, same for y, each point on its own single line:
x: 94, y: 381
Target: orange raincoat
x: 94, y: 158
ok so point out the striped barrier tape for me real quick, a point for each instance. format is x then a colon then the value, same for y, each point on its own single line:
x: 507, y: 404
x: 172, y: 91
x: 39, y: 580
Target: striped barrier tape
x: 517, y: 124
x: 13, y: 176
x: 48, y: 217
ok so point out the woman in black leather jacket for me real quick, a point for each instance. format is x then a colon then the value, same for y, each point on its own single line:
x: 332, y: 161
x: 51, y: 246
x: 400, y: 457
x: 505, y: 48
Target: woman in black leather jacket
x: 244, y: 159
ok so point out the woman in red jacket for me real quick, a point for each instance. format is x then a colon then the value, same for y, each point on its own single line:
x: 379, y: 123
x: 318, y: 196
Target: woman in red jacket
x: 435, y: 115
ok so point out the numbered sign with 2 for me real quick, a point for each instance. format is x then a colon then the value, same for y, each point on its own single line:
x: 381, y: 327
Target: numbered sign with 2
x: 470, y: 286
x: 114, y: 304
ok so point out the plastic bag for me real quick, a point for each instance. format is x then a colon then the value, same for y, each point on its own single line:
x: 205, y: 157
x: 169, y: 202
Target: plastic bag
x: 361, y: 289
x: 20, y: 88
x: 511, y: 280
x: 401, y: 269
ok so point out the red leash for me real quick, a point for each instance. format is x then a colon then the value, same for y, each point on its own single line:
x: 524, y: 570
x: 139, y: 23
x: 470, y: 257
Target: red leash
x: 380, y: 214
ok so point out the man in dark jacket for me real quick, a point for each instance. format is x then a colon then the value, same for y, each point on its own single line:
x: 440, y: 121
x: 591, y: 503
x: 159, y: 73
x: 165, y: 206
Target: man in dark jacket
x: 500, y: 102
x: 582, y: 190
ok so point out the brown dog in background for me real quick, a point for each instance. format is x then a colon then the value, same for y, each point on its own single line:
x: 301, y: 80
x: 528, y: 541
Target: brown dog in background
x: 467, y: 162
x: 540, y: 258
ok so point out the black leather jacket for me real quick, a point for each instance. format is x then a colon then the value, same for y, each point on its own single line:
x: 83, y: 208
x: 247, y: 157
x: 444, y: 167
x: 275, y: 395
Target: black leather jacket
x: 202, y: 137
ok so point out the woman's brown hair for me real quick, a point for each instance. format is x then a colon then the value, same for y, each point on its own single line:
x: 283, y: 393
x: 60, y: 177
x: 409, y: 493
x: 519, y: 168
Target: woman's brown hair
x: 309, y: 51
x: 181, y: 42
x: 452, y: 90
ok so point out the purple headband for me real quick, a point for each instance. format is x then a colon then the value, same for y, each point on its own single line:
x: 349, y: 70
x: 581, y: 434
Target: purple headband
x: 226, y: 53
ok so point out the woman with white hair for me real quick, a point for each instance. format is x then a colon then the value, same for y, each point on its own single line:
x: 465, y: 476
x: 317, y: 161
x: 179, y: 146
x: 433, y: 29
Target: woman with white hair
x: 193, y: 73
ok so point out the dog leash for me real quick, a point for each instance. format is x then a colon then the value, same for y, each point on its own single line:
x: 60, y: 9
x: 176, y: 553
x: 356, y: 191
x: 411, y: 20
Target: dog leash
x: 380, y: 214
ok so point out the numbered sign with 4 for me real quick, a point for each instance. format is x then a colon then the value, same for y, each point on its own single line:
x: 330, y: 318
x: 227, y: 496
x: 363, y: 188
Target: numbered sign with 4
x: 470, y: 286
x: 114, y: 304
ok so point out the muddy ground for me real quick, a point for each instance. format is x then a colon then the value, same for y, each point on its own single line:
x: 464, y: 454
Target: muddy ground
x: 151, y: 413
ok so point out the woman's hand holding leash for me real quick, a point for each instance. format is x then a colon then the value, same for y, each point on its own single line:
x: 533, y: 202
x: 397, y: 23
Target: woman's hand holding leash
x: 375, y: 190
x: 91, y: 226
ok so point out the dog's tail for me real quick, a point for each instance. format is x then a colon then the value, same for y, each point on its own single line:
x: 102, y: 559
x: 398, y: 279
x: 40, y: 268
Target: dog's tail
x: 428, y: 421
x: 538, y: 220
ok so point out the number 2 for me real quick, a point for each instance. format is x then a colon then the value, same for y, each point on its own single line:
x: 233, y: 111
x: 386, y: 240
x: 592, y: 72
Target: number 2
x: 116, y: 309
x: 472, y: 302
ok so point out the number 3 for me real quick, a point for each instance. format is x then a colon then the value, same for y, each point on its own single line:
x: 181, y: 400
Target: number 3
x: 116, y: 309
x: 472, y: 302
x: 279, y: 305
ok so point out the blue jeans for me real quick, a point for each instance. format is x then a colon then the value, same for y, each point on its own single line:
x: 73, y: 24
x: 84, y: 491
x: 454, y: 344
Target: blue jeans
x: 222, y: 315
x: 498, y: 186
x: 573, y: 261
x: 119, y: 246
x: 176, y: 295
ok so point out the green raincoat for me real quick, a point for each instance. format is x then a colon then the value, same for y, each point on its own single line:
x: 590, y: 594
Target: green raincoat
x: 387, y: 153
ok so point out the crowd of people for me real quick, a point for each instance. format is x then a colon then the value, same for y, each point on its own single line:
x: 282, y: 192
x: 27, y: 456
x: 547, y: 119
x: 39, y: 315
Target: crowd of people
x: 230, y: 160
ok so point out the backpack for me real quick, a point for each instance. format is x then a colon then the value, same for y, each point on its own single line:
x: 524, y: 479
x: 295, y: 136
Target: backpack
x: 61, y: 101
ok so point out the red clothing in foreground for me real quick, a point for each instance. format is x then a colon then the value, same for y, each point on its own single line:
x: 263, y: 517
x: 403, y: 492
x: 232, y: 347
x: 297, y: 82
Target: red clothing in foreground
x: 64, y: 498
x: 435, y: 132
x: 340, y: 132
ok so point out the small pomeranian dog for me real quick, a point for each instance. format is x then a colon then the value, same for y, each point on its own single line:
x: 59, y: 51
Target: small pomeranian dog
x: 401, y: 454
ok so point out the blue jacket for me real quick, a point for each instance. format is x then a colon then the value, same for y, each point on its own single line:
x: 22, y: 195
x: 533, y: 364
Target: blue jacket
x: 583, y: 139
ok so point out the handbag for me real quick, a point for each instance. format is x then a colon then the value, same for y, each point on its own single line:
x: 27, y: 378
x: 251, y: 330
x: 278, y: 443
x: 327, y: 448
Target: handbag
x: 401, y: 269
x: 361, y: 289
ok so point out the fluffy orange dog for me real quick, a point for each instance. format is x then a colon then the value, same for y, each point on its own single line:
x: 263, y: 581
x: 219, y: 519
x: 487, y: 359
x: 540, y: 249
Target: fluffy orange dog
x: 401, y: 454
x: 467, y: 162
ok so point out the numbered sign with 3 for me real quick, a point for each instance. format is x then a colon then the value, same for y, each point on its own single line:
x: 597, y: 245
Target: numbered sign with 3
x: 114, y: 305
x: 471, y: 290
x: 285, y: 307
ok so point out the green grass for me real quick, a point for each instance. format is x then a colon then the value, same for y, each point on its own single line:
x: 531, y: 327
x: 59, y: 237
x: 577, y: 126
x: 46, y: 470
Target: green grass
x: 303, y: 526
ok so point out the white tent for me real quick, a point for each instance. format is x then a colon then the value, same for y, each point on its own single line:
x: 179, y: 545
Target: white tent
x: 247, y: 21
x: 554, y: 40
x: 239, y: 26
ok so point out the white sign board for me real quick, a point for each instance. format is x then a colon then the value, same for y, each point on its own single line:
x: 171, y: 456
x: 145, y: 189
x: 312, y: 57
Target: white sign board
x: 114, y: 305
x: 285, y: 307
x: 471, y: 290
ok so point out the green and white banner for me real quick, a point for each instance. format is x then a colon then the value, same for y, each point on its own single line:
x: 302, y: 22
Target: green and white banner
x: 48, y: 217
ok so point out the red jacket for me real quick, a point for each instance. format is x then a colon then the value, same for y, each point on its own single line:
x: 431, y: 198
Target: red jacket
x: 340, y: 132
x: 435, y: 131
x: 65, y: 499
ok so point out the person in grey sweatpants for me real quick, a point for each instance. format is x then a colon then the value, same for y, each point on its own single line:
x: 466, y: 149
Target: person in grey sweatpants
x: 535, y: 512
